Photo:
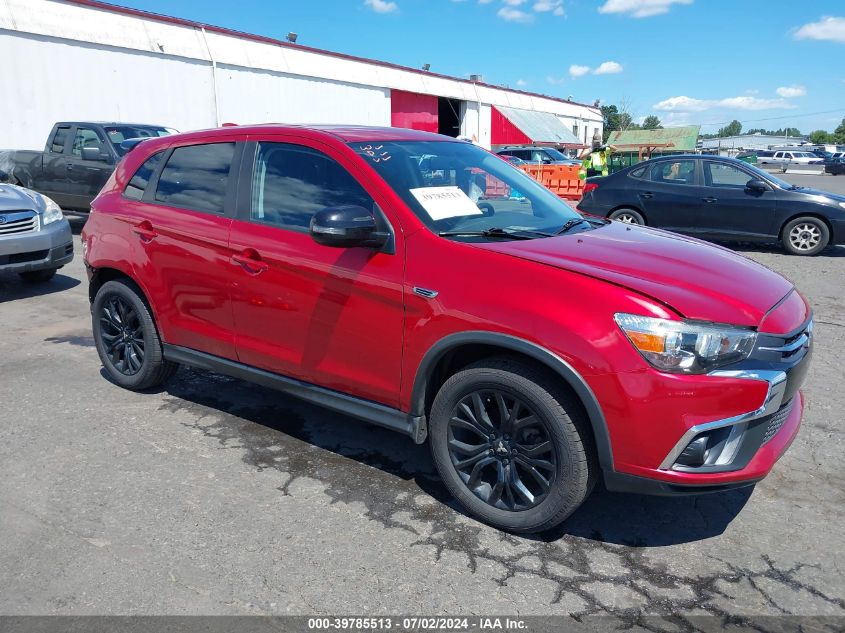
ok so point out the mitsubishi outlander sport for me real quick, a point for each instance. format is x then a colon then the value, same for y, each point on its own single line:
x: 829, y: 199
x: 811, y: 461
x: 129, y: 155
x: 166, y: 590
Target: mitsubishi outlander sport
x: 426, y: 285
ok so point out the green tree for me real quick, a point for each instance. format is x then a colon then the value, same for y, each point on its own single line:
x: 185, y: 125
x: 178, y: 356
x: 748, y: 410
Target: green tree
x: 651, y: 122
x: 734, y: 128
x: 839, y: 132
x: 821, y: 137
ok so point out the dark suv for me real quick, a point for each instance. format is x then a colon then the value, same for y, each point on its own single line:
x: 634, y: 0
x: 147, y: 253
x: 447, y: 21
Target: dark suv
x: 425, y: 285
x: 538, y: 154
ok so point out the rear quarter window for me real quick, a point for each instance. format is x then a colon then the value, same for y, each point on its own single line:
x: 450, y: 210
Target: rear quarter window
x: 138, y: 184
x: 639, y: 172
x: 196, y: 177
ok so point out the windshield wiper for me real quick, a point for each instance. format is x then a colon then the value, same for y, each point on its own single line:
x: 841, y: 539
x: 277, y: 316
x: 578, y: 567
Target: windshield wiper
x: 569, y: 224
x: 519, y: 234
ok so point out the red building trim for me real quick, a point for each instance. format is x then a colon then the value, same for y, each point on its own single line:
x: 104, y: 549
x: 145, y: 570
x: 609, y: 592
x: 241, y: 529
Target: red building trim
x: 413, y: 111
x: 503, y: 132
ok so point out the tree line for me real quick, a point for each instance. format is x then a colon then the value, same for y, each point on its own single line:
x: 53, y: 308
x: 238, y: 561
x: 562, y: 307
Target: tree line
x: 618, y: 118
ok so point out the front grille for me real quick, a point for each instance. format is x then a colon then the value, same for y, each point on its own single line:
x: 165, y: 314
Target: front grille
x: 18, y: 222
x: 776, y: 421
x: 773, y: 348
x: 22, y: 258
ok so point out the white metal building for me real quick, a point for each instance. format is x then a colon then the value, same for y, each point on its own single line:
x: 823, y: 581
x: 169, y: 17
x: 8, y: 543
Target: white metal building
x: 728, y: 144
x: 86, y: 60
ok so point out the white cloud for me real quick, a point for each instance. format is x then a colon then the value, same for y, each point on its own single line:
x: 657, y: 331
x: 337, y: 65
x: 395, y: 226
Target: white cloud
x: 555, y: 81
x: 553, y: 6
x: 791, y: 91
x: 521, y: 83
x: 689, y: 104
x: 640, y: 8
x: 828, y: 28
x: 578, y: 71
x: 608, y: 68
x: 605, y: 68
x: 510, y: 14
x: 382, y: 6
x: 513, y: 3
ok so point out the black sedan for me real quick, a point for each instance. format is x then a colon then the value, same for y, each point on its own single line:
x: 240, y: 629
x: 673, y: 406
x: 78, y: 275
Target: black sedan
x: 718, y: 198
x: 835, y: 166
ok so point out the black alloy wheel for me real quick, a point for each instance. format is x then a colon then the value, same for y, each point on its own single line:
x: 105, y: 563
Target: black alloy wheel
x: 501, y: 450
x: 122, y: 336
x: 126, y: 337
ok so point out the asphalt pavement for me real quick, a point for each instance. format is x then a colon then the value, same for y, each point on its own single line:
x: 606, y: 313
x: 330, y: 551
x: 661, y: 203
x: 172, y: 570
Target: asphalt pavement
x: 213, y: 496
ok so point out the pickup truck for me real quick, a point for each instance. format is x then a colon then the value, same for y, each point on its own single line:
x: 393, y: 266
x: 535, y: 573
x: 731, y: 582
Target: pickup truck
x: 790, y: 157
x: 78, y: 158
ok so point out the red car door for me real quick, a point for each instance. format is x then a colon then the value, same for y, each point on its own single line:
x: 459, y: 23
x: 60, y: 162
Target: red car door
x: 328, y: 316
x: 179, y: 235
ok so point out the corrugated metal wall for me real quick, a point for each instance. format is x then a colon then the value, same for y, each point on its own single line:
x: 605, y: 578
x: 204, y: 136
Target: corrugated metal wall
x: 64, y: 60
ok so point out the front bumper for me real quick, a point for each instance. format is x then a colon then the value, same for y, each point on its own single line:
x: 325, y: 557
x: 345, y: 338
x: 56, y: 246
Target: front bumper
x: 743, y: 445
x: 49, y: 247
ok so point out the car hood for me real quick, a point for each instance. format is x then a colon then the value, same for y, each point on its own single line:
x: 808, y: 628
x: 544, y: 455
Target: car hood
x: 13, y: 198
x: 824, y: 197
x: 696, y: 279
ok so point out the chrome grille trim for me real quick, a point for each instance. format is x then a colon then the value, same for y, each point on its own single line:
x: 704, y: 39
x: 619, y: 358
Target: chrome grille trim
x: 17, y: 222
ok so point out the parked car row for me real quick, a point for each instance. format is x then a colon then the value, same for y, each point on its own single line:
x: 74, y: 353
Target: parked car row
x: 794, y: 157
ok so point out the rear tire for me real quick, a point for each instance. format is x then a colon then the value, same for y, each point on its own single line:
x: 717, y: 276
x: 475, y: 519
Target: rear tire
x: 628, y: 216
x: 127, y: 339
x: 805, y: 236
x: 38, y: 276
x: 511, y: 444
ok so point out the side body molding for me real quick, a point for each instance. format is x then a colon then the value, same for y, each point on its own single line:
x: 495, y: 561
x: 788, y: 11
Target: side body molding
x: 538, y: 353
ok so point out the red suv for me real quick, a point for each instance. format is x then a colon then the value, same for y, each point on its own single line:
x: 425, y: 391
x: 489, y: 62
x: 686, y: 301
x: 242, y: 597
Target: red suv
x: 427, y: 286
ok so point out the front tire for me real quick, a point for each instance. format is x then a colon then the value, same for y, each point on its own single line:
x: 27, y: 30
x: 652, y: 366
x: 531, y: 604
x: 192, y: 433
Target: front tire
x: 511, y: 445
x: 628, y: 216
x: 38, y: 276
x: 805, y: 236
x: 126, y: 338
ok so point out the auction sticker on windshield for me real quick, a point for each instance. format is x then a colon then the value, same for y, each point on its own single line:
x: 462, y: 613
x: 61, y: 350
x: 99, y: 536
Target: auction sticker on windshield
x: 445, y: 202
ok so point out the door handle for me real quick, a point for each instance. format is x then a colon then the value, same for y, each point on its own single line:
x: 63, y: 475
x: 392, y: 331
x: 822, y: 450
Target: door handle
x: 710, y: 199
x: 145, y: 231
x: 647, y: 195
x: 250, y: 261
x: 69, y: 167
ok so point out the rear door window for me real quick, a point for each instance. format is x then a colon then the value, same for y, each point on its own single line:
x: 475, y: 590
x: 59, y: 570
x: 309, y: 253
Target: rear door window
x: 674, y: 172
x: 196, y: 177
x: 57, y: 146
x: 291, y: 183
x: 136, y: 187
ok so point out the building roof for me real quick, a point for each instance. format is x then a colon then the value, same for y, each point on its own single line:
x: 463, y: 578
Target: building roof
x: 683, y: 139
x: 114, y: 8
x: 540, y: 127
x: 755, y: 141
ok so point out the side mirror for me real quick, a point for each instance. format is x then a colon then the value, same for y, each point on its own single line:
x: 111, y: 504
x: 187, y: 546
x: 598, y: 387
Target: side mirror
x: 346, y: 226
x: 757, y: 185
x: 95, y: 153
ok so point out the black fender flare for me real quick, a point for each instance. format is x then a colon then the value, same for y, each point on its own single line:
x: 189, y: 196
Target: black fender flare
x: 545, y: 357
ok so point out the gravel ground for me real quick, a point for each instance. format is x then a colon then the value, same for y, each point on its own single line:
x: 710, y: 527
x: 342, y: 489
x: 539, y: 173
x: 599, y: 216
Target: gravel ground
x: 213, y: 496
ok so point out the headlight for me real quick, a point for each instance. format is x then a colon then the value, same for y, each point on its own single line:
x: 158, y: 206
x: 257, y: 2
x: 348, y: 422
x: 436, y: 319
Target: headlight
x: 686, y: 347
x: 842, y: 204
x: 52, y: 212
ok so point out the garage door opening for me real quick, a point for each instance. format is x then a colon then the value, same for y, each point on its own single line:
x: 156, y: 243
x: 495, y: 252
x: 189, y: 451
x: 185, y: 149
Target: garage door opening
x: 449, y: 116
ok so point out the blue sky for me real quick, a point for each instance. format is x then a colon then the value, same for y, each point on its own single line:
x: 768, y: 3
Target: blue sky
x: 768, y: 63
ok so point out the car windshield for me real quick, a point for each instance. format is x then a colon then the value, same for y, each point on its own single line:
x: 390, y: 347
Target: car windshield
x: 119, y: 133
x: 456, y: 186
